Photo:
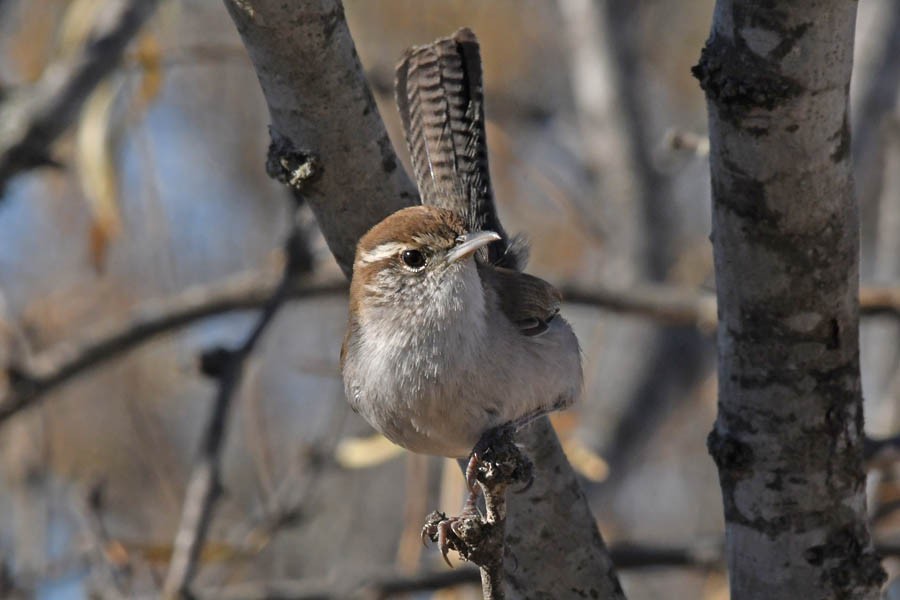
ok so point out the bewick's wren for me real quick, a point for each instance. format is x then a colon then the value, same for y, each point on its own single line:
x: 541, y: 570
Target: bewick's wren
x: 447, y: 339
x: 442, y: 347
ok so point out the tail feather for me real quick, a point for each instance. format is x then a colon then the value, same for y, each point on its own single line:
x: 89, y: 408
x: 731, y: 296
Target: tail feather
x: 440, y: 96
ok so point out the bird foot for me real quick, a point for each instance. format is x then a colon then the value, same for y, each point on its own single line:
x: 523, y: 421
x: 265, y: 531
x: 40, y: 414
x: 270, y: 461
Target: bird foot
x: 469, y: 535
x: 497, y: 461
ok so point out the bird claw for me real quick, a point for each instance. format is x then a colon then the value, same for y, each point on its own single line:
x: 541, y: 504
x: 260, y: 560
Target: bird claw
x: 495, y: 461
x: 465, y: 534
x: 439, y: 529
x: 472, y: 471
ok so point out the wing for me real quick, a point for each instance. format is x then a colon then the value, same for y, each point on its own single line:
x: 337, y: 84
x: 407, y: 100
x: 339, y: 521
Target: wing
x: 528, y: 301
x: 440, y: 97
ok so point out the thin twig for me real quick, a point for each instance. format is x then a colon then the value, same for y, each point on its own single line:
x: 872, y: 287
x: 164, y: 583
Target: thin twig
x: 699, y: 554
x: 113, y: 572
x: 663, y: 303
x: 492, y: 587
x: 672, y: 305
x: 482, y: 539
x: 204, y: 486
x: 377, y: 588
x: 32, y: 119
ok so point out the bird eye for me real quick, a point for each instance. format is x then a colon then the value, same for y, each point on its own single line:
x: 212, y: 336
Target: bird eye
x: 414, y: 259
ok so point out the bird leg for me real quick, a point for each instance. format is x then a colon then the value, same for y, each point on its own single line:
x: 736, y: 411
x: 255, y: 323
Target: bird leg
x: 495, y: 464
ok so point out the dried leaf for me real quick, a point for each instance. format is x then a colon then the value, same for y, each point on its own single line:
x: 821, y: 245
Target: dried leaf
x: 161, y: 554
x: 77, y: 24
x: 363, y: 453
x: 149, y: 57
x: 585, y: 461
x: 116, y: 553
x: 97, y: 170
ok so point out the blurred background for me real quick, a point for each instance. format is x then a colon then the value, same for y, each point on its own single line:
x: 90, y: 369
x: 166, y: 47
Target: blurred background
x: 597, y: 134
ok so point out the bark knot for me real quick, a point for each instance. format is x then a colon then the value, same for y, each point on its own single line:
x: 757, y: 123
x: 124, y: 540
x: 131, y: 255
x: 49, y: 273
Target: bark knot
x: 729, y: 453
x: 296, y: 168
x: 737, y: 80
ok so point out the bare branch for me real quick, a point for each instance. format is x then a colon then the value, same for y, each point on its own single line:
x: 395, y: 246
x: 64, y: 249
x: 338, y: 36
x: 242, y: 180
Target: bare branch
x: 381, y: 588
x: 36, y: 376
x: 204, y: 486
x: 481, y: 539
x: 362, y: 180
x: 679, y: 306
x: 32, y: 119
x: 663, y: 303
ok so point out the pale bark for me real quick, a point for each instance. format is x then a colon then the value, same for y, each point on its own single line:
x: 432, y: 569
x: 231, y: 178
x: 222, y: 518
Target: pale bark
x: 788, y: 438
x: 320, y: 104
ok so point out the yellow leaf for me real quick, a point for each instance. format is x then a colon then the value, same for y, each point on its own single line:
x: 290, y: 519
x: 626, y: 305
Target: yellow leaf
x: 213, y: 552
x: 149, y: 57
x: 97, y: 170
x: 363, y: 453
x: 585, y: 461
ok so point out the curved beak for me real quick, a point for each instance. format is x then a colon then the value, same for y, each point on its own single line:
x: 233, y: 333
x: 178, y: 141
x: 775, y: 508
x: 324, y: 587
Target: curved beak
x: 467, y: 244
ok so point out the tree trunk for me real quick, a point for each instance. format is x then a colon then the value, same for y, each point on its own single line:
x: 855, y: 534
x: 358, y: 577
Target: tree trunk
x: 320, y: 104
x: 788, y: 436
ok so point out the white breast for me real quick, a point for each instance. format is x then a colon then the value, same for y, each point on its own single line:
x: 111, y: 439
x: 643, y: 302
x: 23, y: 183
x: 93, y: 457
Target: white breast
x: 436, y: 388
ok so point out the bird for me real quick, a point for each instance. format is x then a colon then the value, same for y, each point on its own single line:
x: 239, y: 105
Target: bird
x: 447, y: 338
x: 442, y: 347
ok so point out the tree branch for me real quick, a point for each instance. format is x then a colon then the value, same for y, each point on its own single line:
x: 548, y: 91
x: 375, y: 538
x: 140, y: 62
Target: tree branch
x: 481, y: 539
x: 788, y: 436
x: 362, y: 180
x: 665, y: 304
x: 31, y: 119
x: 688, y: 307
x: 33, y: 377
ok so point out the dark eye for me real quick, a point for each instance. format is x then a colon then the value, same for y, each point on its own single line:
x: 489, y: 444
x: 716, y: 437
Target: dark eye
x: 414, y: 259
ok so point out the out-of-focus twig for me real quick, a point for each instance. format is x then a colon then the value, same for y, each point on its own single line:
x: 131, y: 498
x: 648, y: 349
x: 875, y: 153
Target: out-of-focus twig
x: 662, y: 303
x: 33, y: 377
x: 703, y: 555
x: 697, y: 554
x: 32, y: 119
x: 673, y: 305
x: 391, y: 586
x: 204, y: 486
x: 108, y: 557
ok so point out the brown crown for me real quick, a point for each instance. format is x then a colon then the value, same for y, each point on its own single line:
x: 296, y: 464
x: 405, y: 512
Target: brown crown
x: 409, y: 223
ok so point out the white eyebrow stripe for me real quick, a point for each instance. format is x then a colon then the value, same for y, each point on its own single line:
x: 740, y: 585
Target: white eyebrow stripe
x: 381, y: 252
